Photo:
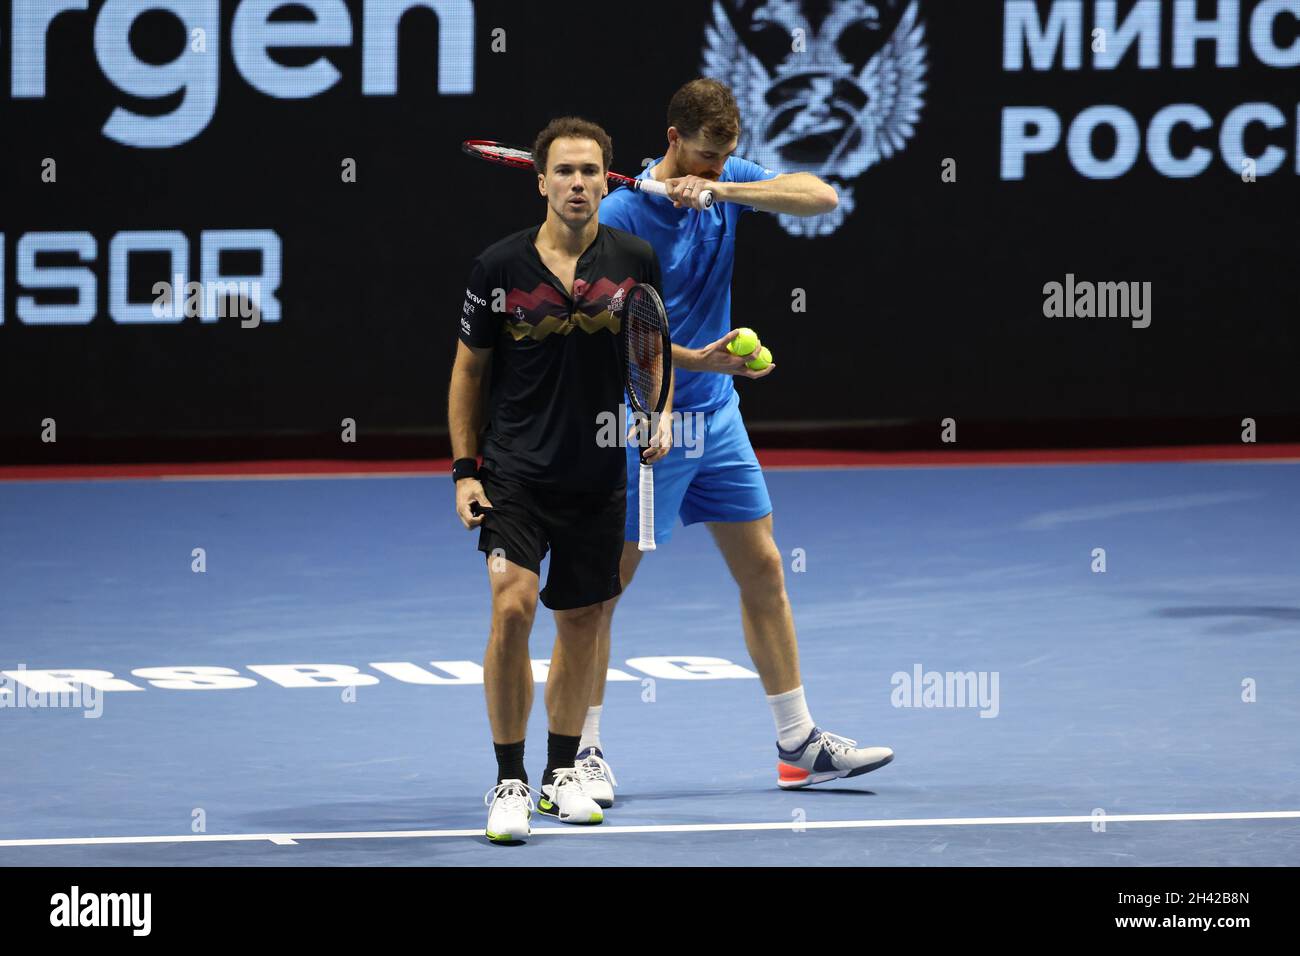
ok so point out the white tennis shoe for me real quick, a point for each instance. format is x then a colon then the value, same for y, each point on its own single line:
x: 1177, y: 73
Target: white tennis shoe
x: 567, y: 800
x: 825, y: 756
x: 597, y: 777
x: 510, y: 805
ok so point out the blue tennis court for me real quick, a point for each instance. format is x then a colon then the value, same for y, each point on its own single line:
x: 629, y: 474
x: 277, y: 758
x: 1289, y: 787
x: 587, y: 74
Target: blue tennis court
x: 311, y: 695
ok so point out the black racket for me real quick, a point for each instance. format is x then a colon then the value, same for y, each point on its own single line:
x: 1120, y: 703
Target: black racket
x: 648, y: 374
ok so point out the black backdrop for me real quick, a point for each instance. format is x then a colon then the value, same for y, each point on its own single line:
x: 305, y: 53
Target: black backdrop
x: 927, y: 302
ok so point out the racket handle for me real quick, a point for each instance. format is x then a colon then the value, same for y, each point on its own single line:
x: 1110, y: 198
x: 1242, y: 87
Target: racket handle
x: 646, y: 497
x: 656, y: 188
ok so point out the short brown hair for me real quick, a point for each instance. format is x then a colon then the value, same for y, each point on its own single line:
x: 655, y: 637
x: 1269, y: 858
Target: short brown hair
x: 577, y: 128
x: 705, y: 107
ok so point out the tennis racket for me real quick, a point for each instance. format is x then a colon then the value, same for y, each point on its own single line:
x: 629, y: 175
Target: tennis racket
x: 648, y: 373
x: 520, y: 158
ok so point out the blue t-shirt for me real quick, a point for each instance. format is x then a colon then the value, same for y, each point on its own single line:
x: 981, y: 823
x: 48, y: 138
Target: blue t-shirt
x: 697, y: 254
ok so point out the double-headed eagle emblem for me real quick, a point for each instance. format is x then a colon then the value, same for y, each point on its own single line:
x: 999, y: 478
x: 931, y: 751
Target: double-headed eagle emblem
x: 832, y: 99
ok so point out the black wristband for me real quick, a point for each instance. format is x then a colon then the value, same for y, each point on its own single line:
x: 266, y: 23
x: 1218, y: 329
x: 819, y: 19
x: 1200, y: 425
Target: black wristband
x: 464, y: 468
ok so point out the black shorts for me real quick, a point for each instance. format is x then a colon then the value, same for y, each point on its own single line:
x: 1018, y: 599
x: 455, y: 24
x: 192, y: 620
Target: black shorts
x: 583, y: 531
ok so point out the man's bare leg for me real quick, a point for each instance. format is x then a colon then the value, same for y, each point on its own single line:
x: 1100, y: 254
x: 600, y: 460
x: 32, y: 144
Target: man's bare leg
x: 507, y: 671
x: 755, y: 562
x: 627, y: 569
x: 568, y: 688
x: 750, y: 551
x: 568, y: 685
x: 599, y: 778
x: 805, y: 755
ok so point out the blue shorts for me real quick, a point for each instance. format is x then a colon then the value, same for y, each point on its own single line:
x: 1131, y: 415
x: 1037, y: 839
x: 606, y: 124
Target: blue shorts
x: 710, y: 474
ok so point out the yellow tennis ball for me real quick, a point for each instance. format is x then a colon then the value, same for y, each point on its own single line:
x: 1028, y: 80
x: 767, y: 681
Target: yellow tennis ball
x: 743, y: 343
x: 763, y: 360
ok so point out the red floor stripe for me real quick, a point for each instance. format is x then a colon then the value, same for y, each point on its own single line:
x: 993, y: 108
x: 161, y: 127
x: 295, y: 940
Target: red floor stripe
x: 224, y: 469
x: 773, y: 458
x: 799, y: 458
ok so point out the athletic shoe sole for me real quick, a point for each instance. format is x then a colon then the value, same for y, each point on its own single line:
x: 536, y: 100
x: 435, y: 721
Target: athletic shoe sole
x: 787, y: 776
x: 506, y: 839
x: 551, y: 810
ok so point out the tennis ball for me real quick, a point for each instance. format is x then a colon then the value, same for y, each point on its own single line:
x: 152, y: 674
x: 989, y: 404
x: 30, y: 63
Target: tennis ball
x: 763, y: 360
x: 743, y: 343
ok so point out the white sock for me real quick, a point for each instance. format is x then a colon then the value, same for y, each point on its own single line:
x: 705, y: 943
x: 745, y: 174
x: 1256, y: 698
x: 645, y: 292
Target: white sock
x: 590, y: 730
x: 793, y: 722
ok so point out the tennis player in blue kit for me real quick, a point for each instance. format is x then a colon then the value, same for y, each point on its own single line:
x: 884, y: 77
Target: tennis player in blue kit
x: 723, y: 486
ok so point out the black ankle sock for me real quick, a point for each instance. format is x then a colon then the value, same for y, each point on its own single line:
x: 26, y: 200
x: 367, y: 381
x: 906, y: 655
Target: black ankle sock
x: 510, y: 762
x: 561, y: 751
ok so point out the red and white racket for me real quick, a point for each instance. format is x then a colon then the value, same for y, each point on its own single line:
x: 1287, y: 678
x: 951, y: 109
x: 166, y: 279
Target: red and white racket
x: 521, y: 158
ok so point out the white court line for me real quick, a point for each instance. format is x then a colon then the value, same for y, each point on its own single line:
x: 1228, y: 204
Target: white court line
x: 288, y: 839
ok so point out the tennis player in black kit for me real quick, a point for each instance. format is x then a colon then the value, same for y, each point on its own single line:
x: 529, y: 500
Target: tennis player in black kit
x: 546, y: 481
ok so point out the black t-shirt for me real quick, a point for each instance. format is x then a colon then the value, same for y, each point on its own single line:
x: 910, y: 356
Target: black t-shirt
x: 556, y: 366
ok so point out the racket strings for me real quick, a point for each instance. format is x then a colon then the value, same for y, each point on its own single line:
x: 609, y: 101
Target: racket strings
x: 645, y: 351
x: 496, y: 152
x: 506, y: 152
